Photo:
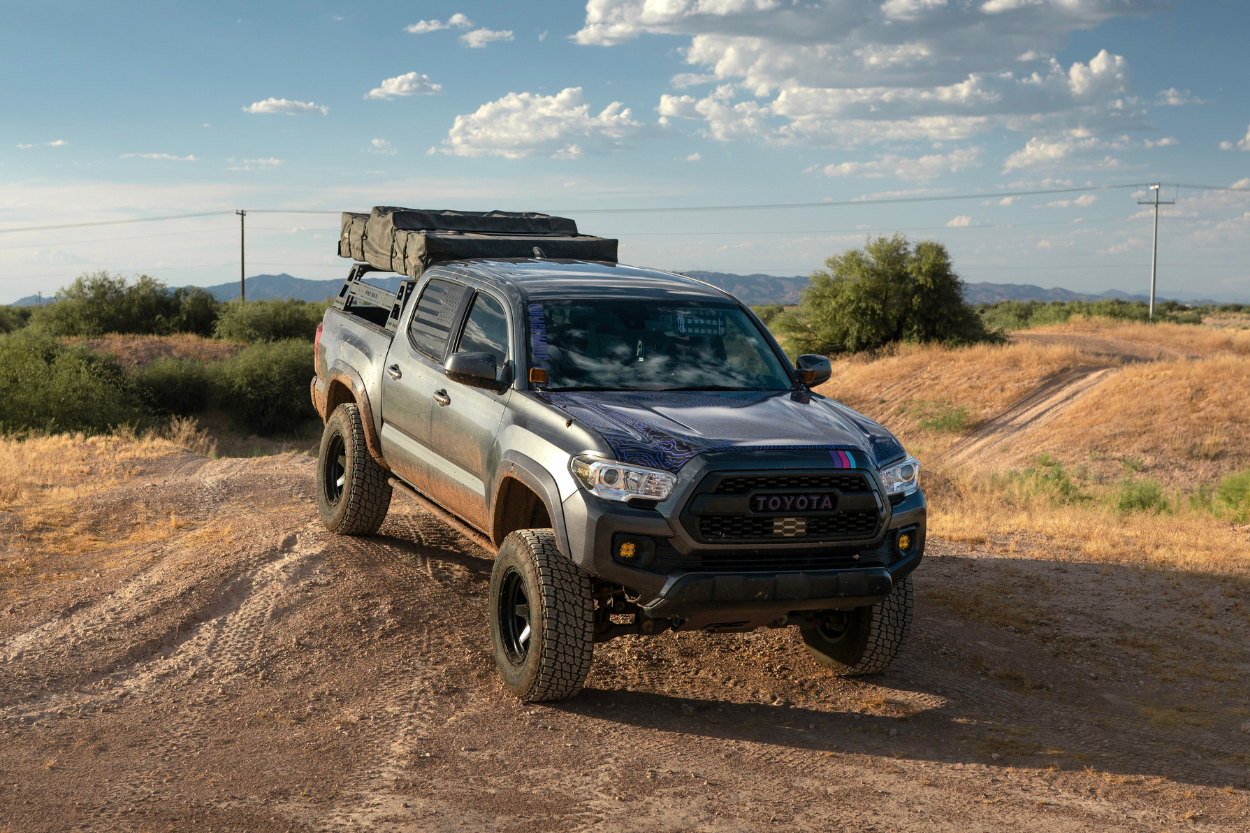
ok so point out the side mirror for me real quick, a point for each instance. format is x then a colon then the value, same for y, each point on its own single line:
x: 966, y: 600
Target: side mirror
x: 476, y: 369
x: 812, y: 369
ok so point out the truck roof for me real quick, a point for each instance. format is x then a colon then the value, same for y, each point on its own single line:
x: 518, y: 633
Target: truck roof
x: 540, y: 279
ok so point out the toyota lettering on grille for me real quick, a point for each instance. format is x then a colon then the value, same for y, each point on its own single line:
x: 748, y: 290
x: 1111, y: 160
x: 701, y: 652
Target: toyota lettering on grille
x: 802, y: 502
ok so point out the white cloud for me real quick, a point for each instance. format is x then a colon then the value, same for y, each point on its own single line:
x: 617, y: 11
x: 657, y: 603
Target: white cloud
x: 457, y: 21
x: 1008, y: 200
x: 282, y: 105
x: 1225, y: 145
x: 478, y: 38
x: 1244, y: 144
x: 1084, y: 201
x: 26, y: 147
x: 253, y: 164
x: 1165, y: 142
x: 1173, y: 97
x: 166, y: 157
x: 694, y: 157
x: 412, y: 83
x: 59, y: 143
x: 926, y: 167
x: 561, y: 126
x: 381, y: 146
x: 844, y: 72
x: 542, y: 36
x: 962, y: 221
x: 1073, y: 152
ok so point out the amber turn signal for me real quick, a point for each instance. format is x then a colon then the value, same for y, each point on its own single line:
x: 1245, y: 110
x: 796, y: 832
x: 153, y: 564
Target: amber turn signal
x: 538, y: 376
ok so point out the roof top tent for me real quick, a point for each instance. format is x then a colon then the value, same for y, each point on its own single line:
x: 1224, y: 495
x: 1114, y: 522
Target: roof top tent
x: 409, y: 241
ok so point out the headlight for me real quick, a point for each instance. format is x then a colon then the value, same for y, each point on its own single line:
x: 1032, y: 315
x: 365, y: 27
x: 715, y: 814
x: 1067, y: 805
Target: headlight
x: 902, y: 478
x: 616, y: 481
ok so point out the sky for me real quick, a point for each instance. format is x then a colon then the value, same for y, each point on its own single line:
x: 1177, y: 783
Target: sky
x: 131, y: 111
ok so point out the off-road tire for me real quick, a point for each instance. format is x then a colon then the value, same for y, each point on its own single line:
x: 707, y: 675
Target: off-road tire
x: 560, y: 618
x: 870, y: 639
x: 357, y: 505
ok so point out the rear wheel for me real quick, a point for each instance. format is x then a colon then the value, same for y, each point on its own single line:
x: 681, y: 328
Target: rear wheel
x: 864, y: 640
x: 541, y: 618
x: 353, y: 491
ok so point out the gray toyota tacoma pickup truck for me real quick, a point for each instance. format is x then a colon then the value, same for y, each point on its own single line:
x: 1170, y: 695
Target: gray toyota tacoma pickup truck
x: 632, y: 444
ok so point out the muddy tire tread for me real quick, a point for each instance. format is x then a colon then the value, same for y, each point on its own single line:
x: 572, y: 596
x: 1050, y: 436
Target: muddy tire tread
x: 568, y: 611
x: 368, y: 492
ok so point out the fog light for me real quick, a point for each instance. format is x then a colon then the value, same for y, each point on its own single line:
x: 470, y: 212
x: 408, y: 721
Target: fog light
x: 634, y: 550
x: 904, y: 541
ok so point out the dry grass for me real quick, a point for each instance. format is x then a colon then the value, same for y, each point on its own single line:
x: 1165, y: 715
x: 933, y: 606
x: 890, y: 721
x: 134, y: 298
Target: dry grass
x: 1206, y: 340
x: 985, y: 379
x: 138, y: 351
x: 57, y: 516
x: 1161, y: 411
x: 978, y: 511
x: 1182, y: 420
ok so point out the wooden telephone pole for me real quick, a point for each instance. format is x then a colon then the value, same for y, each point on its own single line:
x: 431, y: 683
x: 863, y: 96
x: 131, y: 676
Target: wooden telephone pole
x: 1154, y: 252
x: 243, y: 255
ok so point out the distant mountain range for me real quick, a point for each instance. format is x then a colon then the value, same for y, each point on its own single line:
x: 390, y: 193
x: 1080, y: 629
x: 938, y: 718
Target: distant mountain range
x: 752, y: 289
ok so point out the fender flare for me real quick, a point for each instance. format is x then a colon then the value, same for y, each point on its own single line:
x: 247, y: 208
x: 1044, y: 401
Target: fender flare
x: 347, y: 376
x: 530, y: 472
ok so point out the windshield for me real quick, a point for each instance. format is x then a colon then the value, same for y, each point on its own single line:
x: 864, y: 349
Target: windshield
x: 651, y: 345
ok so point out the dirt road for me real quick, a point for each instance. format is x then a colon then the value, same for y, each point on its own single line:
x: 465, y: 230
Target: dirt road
x: 247, y: 671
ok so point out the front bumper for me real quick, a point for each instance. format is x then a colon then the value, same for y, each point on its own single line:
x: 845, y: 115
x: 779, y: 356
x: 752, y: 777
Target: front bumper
x: 754, y: 595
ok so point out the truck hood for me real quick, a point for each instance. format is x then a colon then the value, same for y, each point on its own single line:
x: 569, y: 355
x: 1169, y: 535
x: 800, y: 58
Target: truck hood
x: 666, y: 429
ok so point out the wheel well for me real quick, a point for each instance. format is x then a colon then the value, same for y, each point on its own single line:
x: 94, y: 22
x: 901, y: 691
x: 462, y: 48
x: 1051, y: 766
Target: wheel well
x: 518, y: 507
x: 336, y: 395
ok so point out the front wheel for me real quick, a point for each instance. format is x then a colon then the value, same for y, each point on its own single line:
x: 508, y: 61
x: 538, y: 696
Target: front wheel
x: 864, y: 640
x: 353, y: 491
x: 542, y: 617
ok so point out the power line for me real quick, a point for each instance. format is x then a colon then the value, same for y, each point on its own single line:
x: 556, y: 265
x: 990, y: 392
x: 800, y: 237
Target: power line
x: 843, y: 203
x: 117, y: 222
x: 652, y: 210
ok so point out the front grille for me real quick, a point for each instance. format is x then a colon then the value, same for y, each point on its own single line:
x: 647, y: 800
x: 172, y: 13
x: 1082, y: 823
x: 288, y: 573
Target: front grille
x: 741, y: 484
x: 724, y: 510
x: 850, y: 525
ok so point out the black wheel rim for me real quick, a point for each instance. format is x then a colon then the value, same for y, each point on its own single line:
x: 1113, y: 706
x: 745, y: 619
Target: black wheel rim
x: 334, y: 467
x: 834, y: 628
x: 514, y: 617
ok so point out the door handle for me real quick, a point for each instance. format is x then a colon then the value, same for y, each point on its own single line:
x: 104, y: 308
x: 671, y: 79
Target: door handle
x: 441, y: 397
x: 394, y: 371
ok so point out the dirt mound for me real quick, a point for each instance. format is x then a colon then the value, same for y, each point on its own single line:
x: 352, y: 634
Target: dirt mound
x: 243, y: 670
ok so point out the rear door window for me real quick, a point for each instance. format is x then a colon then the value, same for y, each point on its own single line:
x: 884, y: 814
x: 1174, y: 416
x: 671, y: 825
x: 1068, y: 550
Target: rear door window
x: 435, y: 317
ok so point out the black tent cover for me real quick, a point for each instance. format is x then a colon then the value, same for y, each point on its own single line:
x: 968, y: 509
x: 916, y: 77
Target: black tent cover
x: 409, y: 241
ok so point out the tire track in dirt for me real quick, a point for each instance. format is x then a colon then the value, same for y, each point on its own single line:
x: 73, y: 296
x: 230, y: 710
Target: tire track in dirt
x: 1031, y: 411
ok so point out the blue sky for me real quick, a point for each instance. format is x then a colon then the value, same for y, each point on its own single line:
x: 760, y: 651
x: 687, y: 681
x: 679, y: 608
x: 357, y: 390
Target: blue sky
x: 122, y: 111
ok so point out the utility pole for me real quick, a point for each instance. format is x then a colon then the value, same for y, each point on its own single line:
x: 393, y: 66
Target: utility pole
x: 1154, y: 251
x: 243, y: 257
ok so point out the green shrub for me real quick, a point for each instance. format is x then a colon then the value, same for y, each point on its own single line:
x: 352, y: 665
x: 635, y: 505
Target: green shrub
x: 50, y: 387
x: 179, y: 387
x: 767, y: 312
x: 942, y: 415
x: 101, y: 303
x: 1232, y: 497
x: 1045, y: 480
x: 265, y: 387
x: 1020, y: 315
x: 1140, y: 496
x: 253, y: 322
x: 14, y: 318
x: 886, y: 292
